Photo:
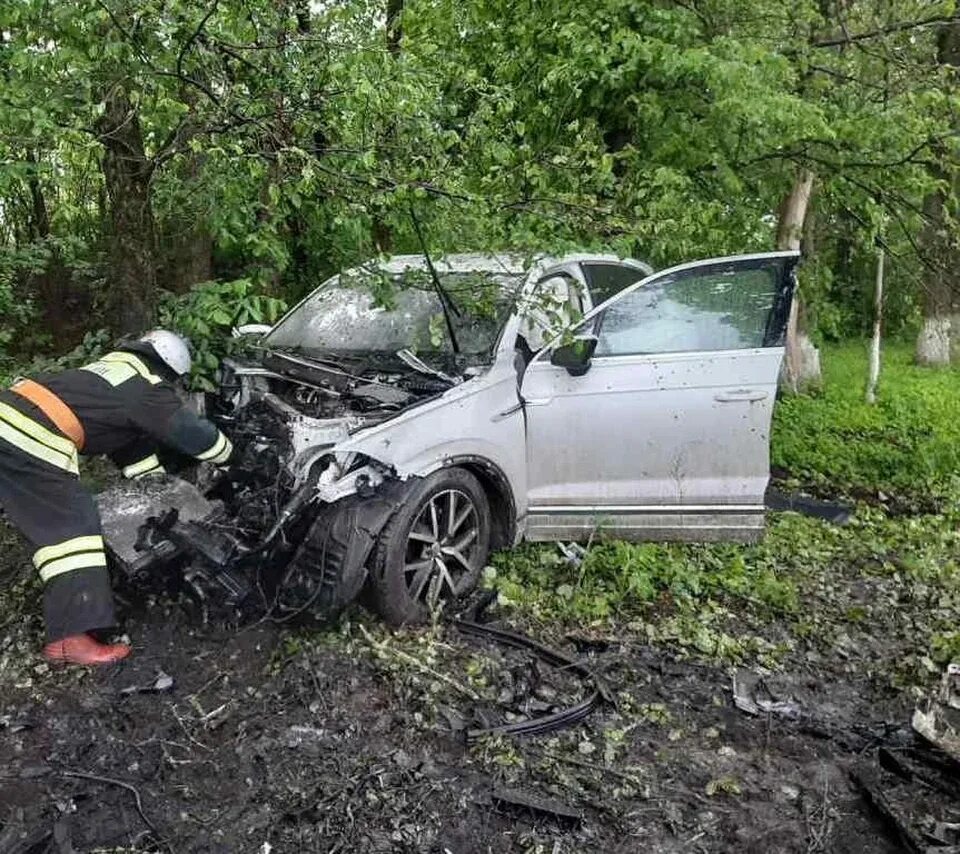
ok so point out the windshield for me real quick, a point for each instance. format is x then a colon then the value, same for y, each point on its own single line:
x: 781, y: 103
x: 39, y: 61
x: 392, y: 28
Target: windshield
x: 375, y: 311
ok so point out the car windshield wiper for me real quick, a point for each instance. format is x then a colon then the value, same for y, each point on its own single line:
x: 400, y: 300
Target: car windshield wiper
x: 446, y: 302
x: 415, y: 362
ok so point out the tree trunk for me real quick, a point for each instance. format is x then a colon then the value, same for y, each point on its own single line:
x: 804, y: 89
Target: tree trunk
x: 874, y: 374
x: 394, y: 26
x: 933, y: 342
x: 185, y: 251
x: 132, y: 277
x: 188, y: 258
x: 801, y: 366
x: 941, y: 284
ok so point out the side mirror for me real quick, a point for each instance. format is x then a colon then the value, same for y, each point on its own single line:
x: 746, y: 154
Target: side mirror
x: 251, y: 329
x: 575, y: 356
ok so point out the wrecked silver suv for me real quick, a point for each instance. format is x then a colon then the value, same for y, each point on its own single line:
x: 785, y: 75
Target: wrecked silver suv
x: 409, y: 417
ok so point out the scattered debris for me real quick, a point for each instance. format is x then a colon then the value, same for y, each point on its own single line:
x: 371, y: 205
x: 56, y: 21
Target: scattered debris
x: 12, y: 726
x: 548, y: 722
x: 384, y: 650
x: 519, y: 799
x: 573, y: 552
x: 940, y: 723
x: 161, y: 684
x: 868, y: 779
x: 837, y: 512
x: 81, y: 775
x: 752, y: 695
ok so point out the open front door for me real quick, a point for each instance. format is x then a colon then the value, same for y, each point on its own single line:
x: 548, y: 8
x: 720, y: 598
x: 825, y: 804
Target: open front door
x: 666, y: 435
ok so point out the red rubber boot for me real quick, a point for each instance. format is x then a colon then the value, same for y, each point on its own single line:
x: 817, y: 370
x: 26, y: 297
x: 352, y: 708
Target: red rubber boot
x: 83, y: 649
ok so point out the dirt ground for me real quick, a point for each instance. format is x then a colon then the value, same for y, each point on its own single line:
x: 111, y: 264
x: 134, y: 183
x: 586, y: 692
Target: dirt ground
x: 272, y: 739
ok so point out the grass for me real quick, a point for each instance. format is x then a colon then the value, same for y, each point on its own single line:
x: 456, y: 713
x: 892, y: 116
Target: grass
x: 887, y: 586
x: 907, y: 445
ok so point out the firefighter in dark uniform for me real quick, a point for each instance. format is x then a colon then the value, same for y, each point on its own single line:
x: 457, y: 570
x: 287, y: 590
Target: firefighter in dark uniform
x: 123, y: 405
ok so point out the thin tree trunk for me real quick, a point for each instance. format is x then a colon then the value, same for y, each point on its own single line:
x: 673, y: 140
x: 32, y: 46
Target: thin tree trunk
x: 874, y: 374
x: 132, y: 278
x: 801, y: 365
x: 185, y: 250
x: 394, y: 26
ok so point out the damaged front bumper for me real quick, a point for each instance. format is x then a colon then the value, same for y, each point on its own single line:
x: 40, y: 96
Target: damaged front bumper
x: 289, y: 526
x: 170, y: 537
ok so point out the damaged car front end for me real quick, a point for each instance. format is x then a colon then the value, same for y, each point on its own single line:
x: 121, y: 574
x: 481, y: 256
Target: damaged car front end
x: 321, y: 424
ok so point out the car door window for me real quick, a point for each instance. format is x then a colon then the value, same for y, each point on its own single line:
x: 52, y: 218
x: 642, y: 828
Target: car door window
x: 714, y: 307
x: 607, y: 280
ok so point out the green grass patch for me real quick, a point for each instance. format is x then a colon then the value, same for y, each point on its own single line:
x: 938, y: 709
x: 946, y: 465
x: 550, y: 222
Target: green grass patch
x: 906, y: 445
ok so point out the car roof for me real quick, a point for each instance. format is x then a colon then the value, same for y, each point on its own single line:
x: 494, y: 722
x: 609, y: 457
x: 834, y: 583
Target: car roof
x: 461, y: 263
x: 489, y: 262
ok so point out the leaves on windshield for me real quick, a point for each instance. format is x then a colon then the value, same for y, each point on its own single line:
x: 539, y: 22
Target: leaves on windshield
x: 372, y: 309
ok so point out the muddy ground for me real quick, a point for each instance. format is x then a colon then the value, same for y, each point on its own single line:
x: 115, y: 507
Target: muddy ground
x: 279, y: 739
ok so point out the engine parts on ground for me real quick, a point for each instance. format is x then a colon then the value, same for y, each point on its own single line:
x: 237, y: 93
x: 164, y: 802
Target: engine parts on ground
x: 545, y: 723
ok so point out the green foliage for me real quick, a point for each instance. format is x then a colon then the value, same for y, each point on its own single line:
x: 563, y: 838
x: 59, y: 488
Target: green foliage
x: 94, y: 344
x: 907, y: 445
x: 285, y: 143
x: 208, y: 313
x: 625, y: 581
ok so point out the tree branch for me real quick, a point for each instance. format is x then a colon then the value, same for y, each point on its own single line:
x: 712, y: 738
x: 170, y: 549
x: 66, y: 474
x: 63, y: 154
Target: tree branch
x: 902, y: 26
x: 185, y: 47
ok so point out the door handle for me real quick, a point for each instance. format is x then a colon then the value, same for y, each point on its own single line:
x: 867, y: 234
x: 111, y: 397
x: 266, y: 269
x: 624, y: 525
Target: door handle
x: 740, y: 395
x: 537, y: 401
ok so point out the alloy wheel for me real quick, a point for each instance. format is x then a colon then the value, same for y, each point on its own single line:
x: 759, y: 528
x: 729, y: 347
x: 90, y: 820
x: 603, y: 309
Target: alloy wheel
x: 442, y: 547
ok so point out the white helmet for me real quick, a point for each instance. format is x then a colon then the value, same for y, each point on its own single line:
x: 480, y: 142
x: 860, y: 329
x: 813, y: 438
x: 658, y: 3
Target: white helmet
x: 171, y: 348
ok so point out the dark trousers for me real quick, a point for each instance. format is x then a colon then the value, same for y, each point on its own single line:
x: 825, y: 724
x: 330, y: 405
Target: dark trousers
x: 60, y: 519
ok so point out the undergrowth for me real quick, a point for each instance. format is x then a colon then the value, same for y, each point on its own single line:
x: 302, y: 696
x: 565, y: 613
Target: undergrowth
x: 907, y: 445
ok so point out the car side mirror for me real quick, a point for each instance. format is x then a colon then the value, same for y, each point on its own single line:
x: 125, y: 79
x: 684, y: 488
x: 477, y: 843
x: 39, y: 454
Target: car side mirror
x: 575, y: 356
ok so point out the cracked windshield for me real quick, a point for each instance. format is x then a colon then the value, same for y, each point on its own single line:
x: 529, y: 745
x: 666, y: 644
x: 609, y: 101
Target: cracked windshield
x: 385, y: 312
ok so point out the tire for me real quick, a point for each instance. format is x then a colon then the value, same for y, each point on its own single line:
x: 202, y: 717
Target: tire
x: 327, y: 571
x: 410, y: 575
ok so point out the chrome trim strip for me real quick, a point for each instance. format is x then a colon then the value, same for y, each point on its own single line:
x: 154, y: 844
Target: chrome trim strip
x: 644, y: 509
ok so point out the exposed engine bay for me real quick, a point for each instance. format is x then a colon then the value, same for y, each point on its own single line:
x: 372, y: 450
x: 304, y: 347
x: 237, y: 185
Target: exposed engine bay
x: 254, y: 537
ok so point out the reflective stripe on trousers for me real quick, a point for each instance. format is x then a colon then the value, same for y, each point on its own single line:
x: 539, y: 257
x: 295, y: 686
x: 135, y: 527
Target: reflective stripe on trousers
x: 76, y: 553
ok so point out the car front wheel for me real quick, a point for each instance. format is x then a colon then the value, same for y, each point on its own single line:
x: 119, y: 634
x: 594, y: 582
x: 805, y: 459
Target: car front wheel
x: 434, y: 548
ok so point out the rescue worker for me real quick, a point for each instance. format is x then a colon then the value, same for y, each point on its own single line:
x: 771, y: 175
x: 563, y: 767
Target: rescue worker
x: 124, y: 405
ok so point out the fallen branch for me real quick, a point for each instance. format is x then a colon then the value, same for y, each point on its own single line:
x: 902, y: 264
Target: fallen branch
x: 110, y: 781
x: 631, y: 779
x: 381, y: 648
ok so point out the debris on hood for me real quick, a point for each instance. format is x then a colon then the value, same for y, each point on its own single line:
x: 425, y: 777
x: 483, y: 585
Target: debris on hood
x: 125, y: 507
